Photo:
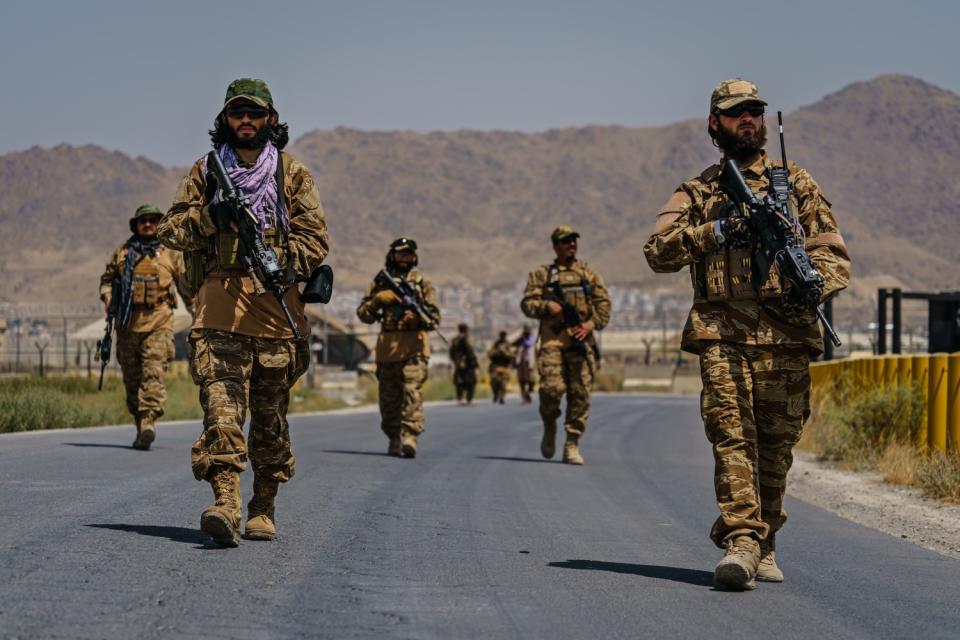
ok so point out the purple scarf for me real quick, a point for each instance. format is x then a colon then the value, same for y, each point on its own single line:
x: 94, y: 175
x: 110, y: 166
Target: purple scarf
x: 259, y: 184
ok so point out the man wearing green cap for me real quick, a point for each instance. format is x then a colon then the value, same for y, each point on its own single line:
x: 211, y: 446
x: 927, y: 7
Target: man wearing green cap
x: 557, y: 294
x: 403, y: 346
x: 244, y: 352
x: 754, y: 343
x: 138, y: 284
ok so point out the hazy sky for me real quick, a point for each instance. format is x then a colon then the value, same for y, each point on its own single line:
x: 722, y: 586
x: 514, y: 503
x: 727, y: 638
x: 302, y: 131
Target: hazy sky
x: 148, y: 78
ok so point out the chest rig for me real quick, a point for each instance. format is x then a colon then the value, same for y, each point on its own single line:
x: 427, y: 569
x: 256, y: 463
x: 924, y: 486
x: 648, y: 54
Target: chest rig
x: 223, y: 252
x: 571, y: 286
x: 393, y: 315
x: 727, y: 274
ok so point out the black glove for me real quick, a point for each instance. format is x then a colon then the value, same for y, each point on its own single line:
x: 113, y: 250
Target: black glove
x: 737, y: 233
x: 221, y: 215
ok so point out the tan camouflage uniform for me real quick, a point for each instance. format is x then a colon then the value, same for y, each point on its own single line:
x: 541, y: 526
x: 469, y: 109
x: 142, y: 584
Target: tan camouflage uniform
x: 402, y: 353
x: 563, y: 367
x: 243, y: 349
x: 145, y: 349
x: 501, y: 358
x: 755, y: 368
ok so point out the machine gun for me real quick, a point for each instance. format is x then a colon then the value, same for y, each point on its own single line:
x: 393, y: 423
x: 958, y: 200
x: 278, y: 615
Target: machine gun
x: 409, y: 300
x: 571, y: 318
x: 259, y: 259
x: 781, y: 238
x: 105, y: 344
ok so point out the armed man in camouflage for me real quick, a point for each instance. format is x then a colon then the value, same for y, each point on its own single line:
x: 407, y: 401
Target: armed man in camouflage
x: 464, y: 360
x: 403, y: 347
x: 244, y: 352
x: 754, y: 345
x: 144, y: 274
x: 500, y: 356
x: 566, y: 359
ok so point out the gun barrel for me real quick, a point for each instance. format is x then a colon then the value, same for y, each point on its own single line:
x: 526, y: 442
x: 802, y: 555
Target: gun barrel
x: 739, y: 184
x: 834, y: 338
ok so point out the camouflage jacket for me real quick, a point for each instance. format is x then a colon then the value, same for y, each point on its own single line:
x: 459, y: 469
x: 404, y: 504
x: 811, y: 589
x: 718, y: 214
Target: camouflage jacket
x: 401, y: 339
x: 462, y: 354
x: 500, y: 355
x: 690, y: 241
x: 226, y: 298
x: 582, y: 286
x: 152, y: 289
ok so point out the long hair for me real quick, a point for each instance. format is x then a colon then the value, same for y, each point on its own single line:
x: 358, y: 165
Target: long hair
x: 278, y: 133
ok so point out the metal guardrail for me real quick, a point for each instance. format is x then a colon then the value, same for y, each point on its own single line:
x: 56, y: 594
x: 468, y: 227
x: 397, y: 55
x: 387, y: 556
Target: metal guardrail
x: 937, y: 376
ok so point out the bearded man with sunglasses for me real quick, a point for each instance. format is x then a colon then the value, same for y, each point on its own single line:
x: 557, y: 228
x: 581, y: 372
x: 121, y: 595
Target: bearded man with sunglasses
x: 243, y: 349
x: 567, y: 355
x: 143, y: 274
x: 754, y: 342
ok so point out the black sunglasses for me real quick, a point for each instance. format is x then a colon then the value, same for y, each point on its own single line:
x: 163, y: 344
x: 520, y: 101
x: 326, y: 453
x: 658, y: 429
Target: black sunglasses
x: 251, y: 111
x: 154, y: 220
x: 754, y: 109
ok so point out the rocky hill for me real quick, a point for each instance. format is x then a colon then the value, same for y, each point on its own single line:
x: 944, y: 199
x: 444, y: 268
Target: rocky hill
x: 482, y: 204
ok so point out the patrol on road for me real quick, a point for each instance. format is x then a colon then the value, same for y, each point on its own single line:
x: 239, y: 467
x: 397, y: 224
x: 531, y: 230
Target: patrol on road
x: 754, y: 340
x: 500, y: 356
x: 464, y: 360
x: 403, y: 347
x: 243, y: 348
x: 571, y: 302
x: 144, y: 275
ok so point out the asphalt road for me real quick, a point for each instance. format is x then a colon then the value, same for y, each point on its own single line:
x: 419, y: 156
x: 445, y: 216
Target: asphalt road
x: 476, y: 538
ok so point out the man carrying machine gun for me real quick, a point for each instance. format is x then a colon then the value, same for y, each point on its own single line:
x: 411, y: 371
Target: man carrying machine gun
x: 764, y: 251
x: 249, y: 221
x: 404, y: 302
x: 571, y: 302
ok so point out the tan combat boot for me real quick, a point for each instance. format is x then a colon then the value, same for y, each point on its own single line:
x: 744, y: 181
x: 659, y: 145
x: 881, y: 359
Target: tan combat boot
x: 395, y: 448
x: 738, y: 567
x: 571, y: 450
x: 408, y: 444
x: 221, y: 520
x: 548, y: 444
x: 768, y: 571
x: 260, y: 510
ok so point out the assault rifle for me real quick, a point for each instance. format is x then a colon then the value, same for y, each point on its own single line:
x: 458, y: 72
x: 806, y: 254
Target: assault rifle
x: 781, y: 241
x: 259, y: 259
x: 409, y: 300
x: 571, y: 318
x: 105, y: 344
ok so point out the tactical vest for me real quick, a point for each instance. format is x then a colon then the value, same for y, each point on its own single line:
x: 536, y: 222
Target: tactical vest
x: 145, y: 288
x: 222, y: 252
x: 575, y: 287
x: 727, y: 274
x: 393, y: 314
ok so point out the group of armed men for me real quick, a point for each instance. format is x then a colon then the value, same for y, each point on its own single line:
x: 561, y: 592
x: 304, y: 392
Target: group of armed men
x: 754, y: 335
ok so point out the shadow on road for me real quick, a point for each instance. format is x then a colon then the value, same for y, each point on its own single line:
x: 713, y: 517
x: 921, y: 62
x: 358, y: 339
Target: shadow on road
x: 515, y: 459
x: 347, y: 452
x: 675, y: 574
x: 176, y: 534
x: 92, y: 444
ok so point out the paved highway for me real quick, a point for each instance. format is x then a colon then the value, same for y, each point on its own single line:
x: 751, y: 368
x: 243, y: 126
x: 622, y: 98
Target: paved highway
x: 476, y: 538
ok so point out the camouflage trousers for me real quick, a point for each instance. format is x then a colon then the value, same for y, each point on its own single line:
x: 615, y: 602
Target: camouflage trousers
x: 499, y: 377
x: 144, y: 359
x: 566, y: 371
x: 234, y: 371
x: 401, y: 395
x: 754, y: 403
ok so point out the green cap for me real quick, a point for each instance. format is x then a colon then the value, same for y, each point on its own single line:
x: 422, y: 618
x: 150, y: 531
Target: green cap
x: 563, y: 232
x: 250, y: 89
x: 147, y: 210
x: 734, y: 91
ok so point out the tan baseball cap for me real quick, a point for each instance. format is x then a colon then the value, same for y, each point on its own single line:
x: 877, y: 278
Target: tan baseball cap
x: 563, y: 232
x: 734, y: 91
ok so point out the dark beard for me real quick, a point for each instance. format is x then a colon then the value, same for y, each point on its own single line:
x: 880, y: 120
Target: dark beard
x: 741, y: 148
x: 256, y: 142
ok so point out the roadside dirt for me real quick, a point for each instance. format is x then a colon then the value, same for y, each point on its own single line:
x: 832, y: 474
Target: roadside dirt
x: 863, y: 498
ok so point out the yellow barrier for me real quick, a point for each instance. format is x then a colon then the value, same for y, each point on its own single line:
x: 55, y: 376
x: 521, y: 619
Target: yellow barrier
x: 920, y: 365
x: 937, y: 402
x: 953, y: 401
x: 904, y: 371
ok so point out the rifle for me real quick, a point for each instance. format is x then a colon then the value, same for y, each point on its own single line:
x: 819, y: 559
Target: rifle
x: 104, y: 345
x: 409, y: 300
x: 781, y: 241
x: 259, y: 259
x: 571, y: 318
